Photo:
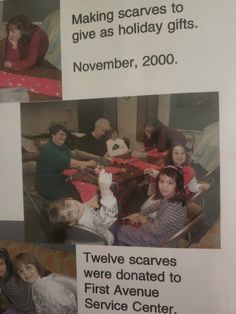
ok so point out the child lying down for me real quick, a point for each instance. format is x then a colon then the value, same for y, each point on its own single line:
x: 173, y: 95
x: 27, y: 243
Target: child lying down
x: 68, y: 212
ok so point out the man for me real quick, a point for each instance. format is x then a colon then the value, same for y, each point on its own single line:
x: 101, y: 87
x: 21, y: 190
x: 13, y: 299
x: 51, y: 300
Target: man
x: 52, y: 160
x: 95, y: 142
x: 160, y: 136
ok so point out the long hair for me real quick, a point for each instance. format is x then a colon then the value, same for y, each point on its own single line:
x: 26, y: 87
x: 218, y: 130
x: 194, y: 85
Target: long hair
x: 176, y: 174
x: 24, y: 25
x: 169, y: 157
x: 26, y: 259
x: 4, y: 255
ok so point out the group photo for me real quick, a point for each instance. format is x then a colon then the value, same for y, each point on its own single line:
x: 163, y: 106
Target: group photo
x: 127, y: 171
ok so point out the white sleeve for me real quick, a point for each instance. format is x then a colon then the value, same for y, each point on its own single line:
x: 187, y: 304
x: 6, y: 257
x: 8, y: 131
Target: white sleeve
x: 53, y: 297
x: 194, y: 186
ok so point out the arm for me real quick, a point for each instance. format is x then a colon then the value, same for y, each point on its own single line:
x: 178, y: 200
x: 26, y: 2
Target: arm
x: 82, y: 164
x: 33, y: 53
x: 106, y: 216
x: 84, y: 155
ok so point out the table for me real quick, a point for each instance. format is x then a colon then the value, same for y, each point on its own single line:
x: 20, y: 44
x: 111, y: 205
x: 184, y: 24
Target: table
x: 46, y: 71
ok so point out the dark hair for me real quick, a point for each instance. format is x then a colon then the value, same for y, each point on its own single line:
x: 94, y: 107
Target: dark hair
x: 169, y: 158
x: 176, y: 174
x: 24, y: 25
x: 113, y: 130
x: 54, y: 129
x: 4, y: 255
x: 26, y: 258
x: 154, y: 123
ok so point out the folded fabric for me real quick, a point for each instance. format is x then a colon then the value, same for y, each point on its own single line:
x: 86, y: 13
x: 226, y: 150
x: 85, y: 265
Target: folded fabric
x: 140, y: 164
x: 156, y: 153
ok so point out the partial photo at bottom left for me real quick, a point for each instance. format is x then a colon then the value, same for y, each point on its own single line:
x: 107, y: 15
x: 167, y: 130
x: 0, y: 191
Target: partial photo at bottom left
x: 37, y: 278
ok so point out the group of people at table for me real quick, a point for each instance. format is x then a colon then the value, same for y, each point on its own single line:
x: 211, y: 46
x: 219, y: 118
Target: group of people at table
x: 161, y: 216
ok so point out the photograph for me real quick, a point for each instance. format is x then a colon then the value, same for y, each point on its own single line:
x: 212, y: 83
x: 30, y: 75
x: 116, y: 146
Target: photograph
x: 30, y: 51
x: 128, y: 171
x: 37, y: 278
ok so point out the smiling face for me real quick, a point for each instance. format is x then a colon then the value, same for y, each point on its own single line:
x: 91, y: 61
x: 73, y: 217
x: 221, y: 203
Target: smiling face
x: 59, y: 138
x: 71, y: 211
x: 3, y: 268
x: 179, y: 156
x: 167, y: 186
x: 28, y: 272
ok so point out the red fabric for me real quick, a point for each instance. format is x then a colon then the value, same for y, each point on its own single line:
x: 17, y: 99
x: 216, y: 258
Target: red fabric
x: 26, y: 56
x: 114, y: 170
x: 86, y: 190
x: 142, y: 165
x: 156, y: 154
x: 33, y: 84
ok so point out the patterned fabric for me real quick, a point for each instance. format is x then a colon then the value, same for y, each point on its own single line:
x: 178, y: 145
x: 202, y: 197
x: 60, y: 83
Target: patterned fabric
x: 19, y: 293
x: 142, y: 165
x: 36, y: 85
x: 102, y: 219
x: 54, y: 296
x: 170, y: 218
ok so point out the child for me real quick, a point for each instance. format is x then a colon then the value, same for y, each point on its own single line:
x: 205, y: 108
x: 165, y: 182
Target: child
x: 178, y: 157
x: 17, y: 291
x: 170, y: 213
x: 52, y: 293
x: 69, y: 212
x: 26, y: 44
x: 115, y: 145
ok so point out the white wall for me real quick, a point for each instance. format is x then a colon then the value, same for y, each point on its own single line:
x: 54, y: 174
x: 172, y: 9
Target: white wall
x: 127, y: 117
x: 36, y: 118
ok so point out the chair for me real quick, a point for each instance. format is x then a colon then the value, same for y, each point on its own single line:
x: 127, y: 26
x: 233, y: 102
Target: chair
x: 83, y: 235
x: 196, y: 216
x: 38, y: 204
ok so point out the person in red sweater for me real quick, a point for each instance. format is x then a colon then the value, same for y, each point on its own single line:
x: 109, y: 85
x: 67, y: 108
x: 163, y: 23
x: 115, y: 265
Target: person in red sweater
x: 157, y: 135
x: 26, y: 44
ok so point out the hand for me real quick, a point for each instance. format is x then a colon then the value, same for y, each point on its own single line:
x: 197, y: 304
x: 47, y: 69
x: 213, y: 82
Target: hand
x: 104, y: 182
x: 13, y: 39
x: 152, y: 172
x: 8, y: 64
x: 204, y: 186
x: 137, y: 219
x: 148, y: 133
x: 91, y: 163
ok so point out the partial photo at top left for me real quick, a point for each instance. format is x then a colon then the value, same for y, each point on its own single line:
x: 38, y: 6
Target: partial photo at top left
x: 30, y: 51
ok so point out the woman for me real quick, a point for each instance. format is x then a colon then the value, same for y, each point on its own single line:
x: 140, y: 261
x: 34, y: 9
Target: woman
x: 26, y: 44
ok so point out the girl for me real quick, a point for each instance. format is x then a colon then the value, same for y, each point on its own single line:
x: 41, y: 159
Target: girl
x: 17, y: 291
x: 52, y: 293
x: 170, y: 213
x: 26, y: 44
x: 178, y: 157
x: 115, y: 145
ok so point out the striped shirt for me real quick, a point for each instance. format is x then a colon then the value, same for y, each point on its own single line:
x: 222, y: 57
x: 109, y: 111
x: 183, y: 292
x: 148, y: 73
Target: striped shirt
x: 19, y: 294
x: 169, y: 220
